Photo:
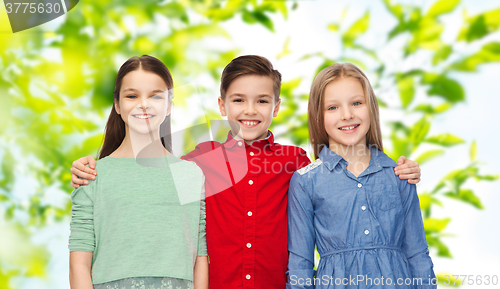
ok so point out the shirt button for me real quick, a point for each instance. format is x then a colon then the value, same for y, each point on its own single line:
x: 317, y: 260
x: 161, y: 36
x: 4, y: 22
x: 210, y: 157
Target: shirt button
x: 363, y: 208
x: 249, y: 245
x: 248, y: 276
x: 251, y: 154
x: 367, y: 232
x: 250, y: 182
x: 239, y: 143
x: 249, y: 213
x: 360, y: 185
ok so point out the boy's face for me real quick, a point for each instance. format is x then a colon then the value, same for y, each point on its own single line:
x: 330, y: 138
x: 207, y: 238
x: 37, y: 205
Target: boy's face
x: 250, y: 106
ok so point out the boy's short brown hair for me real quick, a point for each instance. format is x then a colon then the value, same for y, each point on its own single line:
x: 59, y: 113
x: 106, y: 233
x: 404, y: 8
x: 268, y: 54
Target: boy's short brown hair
x: 249, y: 65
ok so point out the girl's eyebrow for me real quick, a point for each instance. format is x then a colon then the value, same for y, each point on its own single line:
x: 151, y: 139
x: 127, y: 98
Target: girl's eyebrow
x: 154, y: 91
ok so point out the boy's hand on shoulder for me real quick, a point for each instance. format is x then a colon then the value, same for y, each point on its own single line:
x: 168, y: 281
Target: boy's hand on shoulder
x: 408, y: 170
x: 80, y: 173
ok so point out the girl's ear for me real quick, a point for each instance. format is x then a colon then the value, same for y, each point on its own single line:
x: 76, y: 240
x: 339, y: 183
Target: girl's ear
x: 222, y: 108
x: 277, y: 108
x: 117, y: 106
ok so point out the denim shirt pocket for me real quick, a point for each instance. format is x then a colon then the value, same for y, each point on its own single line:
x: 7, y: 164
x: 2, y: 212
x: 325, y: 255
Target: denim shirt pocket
x: 385, y: 196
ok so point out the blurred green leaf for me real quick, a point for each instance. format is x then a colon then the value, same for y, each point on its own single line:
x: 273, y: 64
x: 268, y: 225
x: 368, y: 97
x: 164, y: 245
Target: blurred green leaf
x: 466, y: 196
x: 445, y: 139
x: 419, y: 131
x: 473, y: 151
x: 428, y: 155
x: 406, y: 87
x: 395, y: 9
x: 489, y: 53
x: 478, y: 26
x: 442, y: 54
x: 359, y: 27
x: 442, y: 7
x: 435, y: 242
x: 433, y: 225
x: 442, y: 86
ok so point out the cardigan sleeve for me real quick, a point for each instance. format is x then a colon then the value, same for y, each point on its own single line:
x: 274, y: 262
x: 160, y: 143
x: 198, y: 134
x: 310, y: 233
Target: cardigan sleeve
x: 202, y: 233
x: 82, y: 237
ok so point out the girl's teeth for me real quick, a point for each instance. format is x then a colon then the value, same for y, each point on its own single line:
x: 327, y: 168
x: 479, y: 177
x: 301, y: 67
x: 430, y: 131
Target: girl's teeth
x: 348, y: 128
x: 142, y: 116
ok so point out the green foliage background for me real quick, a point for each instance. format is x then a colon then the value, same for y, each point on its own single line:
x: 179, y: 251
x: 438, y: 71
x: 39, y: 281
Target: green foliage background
x: 56, y: 87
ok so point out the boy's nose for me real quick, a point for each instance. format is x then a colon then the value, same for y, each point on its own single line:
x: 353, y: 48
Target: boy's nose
x: 250, y: 109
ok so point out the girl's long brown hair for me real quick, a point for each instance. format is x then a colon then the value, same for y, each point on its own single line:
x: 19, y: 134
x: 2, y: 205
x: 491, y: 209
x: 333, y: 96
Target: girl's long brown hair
x: 115, y: 127
x: 316, y: 110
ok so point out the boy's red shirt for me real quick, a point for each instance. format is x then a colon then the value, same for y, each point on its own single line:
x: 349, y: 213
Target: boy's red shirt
x: 246, y: 190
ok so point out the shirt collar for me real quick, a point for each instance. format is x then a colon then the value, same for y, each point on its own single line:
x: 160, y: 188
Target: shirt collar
x: 378, y: 158
x: 231, y: 141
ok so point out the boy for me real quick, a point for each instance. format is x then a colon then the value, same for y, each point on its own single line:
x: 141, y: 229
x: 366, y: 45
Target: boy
x: 247, y: 180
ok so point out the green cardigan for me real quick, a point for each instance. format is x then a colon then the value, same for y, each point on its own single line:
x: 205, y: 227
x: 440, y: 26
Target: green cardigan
x: 141, y: 218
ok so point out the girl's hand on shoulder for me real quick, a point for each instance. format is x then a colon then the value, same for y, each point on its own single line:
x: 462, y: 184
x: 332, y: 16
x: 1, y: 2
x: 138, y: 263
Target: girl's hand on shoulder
x: 80, y: 173
x: 408, y: 170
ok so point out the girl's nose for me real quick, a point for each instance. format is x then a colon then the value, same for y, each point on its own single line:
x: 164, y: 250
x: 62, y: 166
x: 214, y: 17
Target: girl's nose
x: 346, y: 114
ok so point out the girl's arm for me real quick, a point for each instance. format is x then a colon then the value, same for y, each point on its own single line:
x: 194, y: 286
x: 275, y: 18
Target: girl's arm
x: 200, y: 273
x: 414, y: 241
x: 81, y: 239
x: 80, y: 263
x: 301, y: 237
x: 80, y: 173
x: 408, y: 170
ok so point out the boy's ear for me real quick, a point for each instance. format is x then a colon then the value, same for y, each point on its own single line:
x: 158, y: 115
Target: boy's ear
x: 117, y: 106
x: 277, y: 108
x: 222, y: 108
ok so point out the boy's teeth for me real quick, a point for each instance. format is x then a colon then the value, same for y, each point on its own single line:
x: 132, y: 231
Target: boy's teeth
x: 249, y: 122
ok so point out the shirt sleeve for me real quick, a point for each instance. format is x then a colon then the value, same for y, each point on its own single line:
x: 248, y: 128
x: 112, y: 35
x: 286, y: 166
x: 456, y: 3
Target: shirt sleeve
x: 301, y: 237
x: 414, y: 241
x: 202, y: 231
x: 82, y: 237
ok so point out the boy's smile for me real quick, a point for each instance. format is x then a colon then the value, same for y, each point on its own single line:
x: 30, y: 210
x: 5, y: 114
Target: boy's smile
x: 250, y: 106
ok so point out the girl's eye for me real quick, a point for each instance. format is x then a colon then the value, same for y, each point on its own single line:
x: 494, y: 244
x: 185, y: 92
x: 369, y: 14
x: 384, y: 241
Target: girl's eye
x: 332, y: 108
x: 157, y: 97
x: 131, y: 96
x: 356, y: 103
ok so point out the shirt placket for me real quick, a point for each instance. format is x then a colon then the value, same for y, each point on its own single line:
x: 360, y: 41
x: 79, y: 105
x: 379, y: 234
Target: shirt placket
x: 251, y: 182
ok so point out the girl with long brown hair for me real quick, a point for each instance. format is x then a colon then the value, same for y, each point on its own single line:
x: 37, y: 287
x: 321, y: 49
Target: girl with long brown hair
x: 130, y: 227
x: 364, y: 220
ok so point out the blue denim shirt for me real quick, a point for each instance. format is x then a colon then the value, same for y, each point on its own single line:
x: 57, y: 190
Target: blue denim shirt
x: 367, y: 229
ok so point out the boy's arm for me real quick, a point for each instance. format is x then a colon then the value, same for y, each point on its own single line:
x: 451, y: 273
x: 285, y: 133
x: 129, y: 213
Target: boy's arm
x: 80, y: 169
x: 79, y: 270
x: 414, y: 242
x: 200, y: 273
x: 408, y: 169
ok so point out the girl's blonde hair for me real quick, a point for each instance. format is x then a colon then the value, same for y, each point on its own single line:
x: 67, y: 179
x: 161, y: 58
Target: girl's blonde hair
x: 317, y: 133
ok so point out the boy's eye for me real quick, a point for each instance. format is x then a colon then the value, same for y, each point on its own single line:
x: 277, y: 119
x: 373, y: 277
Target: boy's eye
x: 238, y: 100
x: 157, y: 97
x: 263, y: 101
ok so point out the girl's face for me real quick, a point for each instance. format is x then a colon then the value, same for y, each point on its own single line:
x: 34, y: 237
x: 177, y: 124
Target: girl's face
x: 347, y: 119
x: 143, y: 103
